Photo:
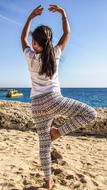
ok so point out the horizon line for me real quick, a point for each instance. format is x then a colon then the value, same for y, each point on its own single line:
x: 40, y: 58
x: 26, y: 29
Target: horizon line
x: 60, y: 87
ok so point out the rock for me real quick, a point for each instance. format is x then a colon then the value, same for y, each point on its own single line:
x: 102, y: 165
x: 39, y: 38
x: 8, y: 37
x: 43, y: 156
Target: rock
x: 69, y: 177
x: 57, y: 171
x: 55, y: 156
x: 18, y: 115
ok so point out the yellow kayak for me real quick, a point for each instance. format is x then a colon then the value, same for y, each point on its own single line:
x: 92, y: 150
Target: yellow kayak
x: 14, y: 93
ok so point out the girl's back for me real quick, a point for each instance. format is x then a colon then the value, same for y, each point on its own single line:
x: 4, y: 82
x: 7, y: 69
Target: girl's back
x: 41, y: 83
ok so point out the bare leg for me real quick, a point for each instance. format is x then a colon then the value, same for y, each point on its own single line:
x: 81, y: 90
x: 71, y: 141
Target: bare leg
x: 49, y: 184
x: 54, y: 133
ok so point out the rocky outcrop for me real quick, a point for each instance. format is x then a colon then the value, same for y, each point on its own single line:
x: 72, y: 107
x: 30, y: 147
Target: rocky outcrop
x: 18, y: 115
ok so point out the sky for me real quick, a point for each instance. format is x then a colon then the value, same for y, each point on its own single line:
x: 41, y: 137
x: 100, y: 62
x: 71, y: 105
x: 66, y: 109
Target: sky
x: 84, y: 60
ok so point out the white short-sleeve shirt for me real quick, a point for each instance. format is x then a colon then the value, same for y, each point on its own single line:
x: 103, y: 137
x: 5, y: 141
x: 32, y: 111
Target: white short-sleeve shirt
x: 40, y: 83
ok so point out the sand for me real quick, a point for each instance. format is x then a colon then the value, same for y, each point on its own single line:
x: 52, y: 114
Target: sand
x: 79, y: 160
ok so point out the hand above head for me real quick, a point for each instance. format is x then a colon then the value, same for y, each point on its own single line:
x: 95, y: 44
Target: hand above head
x: 56, y: 8
x: 37, y: 11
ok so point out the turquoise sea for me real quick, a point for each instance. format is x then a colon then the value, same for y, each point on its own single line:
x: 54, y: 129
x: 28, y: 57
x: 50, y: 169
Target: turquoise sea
x: 96, y: 97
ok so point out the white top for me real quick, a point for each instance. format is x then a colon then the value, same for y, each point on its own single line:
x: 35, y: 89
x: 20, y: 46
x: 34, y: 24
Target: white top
x: 40, y: 83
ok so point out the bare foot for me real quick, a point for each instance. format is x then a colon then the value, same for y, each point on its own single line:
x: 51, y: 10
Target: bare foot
x: 54, y: 133
x: 49, y: 184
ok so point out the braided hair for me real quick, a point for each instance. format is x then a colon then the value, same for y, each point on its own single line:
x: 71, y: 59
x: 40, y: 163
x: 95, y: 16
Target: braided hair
x: 43, y: 35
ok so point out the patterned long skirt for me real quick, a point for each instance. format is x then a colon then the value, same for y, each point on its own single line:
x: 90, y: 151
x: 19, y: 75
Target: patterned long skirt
x: 45, y: 108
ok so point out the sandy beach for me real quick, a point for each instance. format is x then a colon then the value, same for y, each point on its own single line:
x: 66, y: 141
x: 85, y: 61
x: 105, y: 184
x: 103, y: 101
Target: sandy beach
x: 79, y: 160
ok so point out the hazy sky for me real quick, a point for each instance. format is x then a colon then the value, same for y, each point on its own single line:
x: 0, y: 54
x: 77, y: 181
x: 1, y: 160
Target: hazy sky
x: 84, y: 60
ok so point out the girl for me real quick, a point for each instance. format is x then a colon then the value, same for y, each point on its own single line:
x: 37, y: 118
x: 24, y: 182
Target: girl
x: 47, y: 100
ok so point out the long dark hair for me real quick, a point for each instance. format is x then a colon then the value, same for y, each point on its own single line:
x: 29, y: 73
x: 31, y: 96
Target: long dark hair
x: 43, y: 35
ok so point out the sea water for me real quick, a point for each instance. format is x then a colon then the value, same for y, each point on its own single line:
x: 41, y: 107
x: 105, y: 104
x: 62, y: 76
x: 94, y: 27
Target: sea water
x: 96, y: 97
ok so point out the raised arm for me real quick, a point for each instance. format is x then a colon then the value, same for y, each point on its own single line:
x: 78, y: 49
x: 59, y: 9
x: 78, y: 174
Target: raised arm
x: 66, y: 32
x: 66, y: 28
x: 24, y: 36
